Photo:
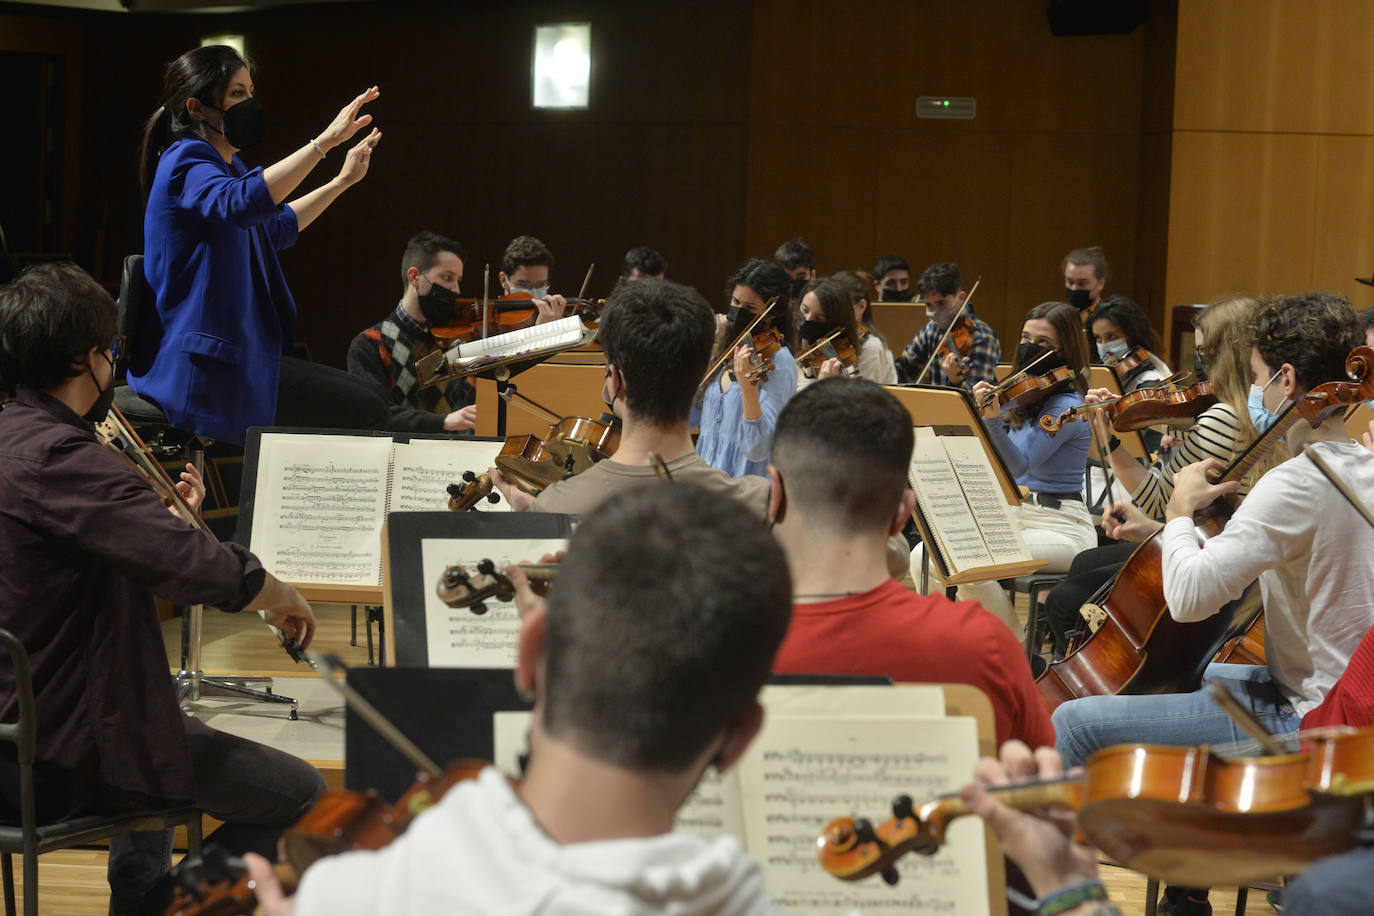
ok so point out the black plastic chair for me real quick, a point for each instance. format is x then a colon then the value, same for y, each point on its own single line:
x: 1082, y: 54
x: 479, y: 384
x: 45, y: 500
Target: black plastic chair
x: 31, y: 839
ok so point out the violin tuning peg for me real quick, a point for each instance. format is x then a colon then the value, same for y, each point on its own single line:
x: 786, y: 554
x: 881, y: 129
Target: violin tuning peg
x: 486, y: 567
x: 469, y: 476
x: 454, y: 490
x: 863, y: 831
x: 478, y: 607
x: 901, y: 807
x: 890, y: 876
x: 493, y: 498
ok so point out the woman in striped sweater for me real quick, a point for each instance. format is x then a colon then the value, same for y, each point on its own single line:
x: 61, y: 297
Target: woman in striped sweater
x: 1222, y: 431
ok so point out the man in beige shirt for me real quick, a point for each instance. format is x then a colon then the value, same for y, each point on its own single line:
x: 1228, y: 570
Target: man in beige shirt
x: 658, y: 337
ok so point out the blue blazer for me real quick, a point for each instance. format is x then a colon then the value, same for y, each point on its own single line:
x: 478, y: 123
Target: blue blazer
x: 211, y: 354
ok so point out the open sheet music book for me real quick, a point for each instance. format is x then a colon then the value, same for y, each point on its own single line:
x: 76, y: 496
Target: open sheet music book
x: 320, y: 500
x: 963, y: 515
x: 828, y: 752
x: 514, y: 346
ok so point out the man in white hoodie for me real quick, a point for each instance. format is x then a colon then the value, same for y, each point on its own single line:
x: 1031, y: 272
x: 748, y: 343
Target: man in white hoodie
x: 645, y: 665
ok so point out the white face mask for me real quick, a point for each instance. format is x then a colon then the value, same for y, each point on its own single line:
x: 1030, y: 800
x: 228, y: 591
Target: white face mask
x: 538, y: 292
x: 1114, y: 349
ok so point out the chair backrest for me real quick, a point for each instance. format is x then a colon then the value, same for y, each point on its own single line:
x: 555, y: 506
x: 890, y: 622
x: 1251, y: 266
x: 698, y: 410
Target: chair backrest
x: 24, y: 732
x: 136, y: 297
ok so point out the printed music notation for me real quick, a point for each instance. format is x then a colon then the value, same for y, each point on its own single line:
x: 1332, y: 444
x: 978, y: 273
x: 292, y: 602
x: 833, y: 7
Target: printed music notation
x: 996, y: 525
x: 319, y: 507
x: 424, y: 468
x: 456, y: 637
x: 804, y: 772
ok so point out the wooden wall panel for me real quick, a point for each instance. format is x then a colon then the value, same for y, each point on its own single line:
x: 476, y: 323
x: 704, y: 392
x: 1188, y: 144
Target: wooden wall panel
x: 1241, y: 215
x: 1343, y: 246
x: 1275, y: 65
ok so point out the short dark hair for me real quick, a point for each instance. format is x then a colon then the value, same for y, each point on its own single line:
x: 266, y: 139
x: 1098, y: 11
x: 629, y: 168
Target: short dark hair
x: 1093, y: 257
x: 1312, y: 331
x: 767, y: 278
x: 1126, y: 315
x: 51, y: 315
x: 525, y: 251
x: 795, y: 253
x: 424, y: 249
x: 843, y: 448
x: 646, y: 260
x: 888, y: 263
x: 662, y: 627
x: 943, y: 278
x: 659, y: 335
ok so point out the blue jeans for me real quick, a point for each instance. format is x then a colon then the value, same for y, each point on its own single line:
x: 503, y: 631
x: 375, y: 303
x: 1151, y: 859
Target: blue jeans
x: 1087, y: 725
x: 1341, y: 885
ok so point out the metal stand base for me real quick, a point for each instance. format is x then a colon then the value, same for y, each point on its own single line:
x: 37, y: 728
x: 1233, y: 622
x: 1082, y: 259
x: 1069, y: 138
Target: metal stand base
x: 192, y: 684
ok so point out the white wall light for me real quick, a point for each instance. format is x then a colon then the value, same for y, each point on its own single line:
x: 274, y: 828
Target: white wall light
x: 562, y: 64
x: 233, y: 41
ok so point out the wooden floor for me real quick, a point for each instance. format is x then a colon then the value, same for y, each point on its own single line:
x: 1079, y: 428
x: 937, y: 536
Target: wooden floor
x: 72, y: 882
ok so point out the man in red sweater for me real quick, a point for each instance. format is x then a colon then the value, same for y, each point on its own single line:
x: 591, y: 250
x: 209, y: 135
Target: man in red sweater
x: 839, y: 489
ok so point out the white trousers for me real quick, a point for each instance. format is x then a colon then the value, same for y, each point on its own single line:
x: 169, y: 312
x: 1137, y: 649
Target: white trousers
x: 1056, y: 535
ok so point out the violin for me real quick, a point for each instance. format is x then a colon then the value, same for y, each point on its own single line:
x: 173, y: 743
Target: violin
x: 959, y: 333
x: 1138, y: 646
x: 726, y: 352
x: 765, y: 344
x: 1127, y: 365
x: 456, y: 588
x: 1169, y: 405
x: 834, y: 345
x: 571, y: 445
x: 1183, y: 815
x: 1030, y: 390
x: 473, y: 489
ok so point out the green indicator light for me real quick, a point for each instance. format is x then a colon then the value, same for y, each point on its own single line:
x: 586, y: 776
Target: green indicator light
x: 946, y: 103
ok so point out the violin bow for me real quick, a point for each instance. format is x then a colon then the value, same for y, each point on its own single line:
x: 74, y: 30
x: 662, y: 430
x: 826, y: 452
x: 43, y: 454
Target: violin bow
x: 328, y: 666
x: 726, y: 351
x: 586, y: 281
x: 511, y: 395
x: 823, y: 341
x: 660, y: 467
x: 1339, y: 484
x: 1016, y: 376
x: 486, y: 279
x: 1246, y: 719
x: 944, y: 337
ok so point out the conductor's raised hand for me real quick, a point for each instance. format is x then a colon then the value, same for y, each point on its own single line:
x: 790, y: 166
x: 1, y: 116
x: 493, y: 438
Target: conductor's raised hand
x: 358, y: 159
x: 348, y: 121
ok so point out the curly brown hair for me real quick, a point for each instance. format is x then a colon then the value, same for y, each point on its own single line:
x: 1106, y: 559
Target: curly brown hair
x: 1314, y: 332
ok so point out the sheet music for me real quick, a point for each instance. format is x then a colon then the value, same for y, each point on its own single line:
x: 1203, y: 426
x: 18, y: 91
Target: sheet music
x: 802, y: 773
x: 941, y: 497
x: 319, y: 509
x: 998, y: 526
x: 456, y: 637
x: 424, y: 468
x: 564, y: 332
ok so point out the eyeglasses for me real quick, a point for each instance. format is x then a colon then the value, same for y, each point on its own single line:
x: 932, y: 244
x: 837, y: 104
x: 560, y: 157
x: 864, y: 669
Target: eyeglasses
x: 117, y: 348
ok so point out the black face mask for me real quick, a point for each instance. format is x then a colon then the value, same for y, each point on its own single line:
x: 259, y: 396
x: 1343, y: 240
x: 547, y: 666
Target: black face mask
x: 738, y: 317
x: 244, y: 124
x: 812, y: 331
x: 896, y: 295
x: 1079, y: 298
x: 101, y: 408
x: 439, y: 305
x: 1028, y: 353
x: 1199, y: 364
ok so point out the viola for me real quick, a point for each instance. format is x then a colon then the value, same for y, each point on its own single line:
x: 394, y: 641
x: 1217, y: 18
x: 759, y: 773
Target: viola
x: 765, y: 345
x: 1184, y: 815
x: 456, y: 588
x: 1167, y: 405
x: 1030, y: 390
x: 473, y: 489
x: 1139, y: 647
x: 571, y: 445
x: 834, y: 345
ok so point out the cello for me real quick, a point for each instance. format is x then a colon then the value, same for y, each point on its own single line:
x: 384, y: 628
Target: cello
x: 1139, y: 647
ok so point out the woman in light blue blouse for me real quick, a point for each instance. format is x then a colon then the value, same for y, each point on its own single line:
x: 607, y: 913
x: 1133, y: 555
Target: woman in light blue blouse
x: 1054, y: 522
x: 736, y: 414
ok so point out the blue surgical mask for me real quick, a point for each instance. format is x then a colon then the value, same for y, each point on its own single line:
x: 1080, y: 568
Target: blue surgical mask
x: 1114, y: 349
x: 1261, y: 416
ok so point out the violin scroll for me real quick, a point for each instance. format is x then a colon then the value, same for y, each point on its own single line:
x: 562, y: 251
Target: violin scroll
x: 473, y: 489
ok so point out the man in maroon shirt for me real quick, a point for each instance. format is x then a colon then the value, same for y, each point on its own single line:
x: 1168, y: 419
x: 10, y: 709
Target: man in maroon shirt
x: 839, y: 489
x: 86, y: 543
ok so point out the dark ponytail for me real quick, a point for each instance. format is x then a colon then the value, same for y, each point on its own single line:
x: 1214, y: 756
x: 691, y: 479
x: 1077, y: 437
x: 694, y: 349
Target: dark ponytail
x: 201, y: 73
